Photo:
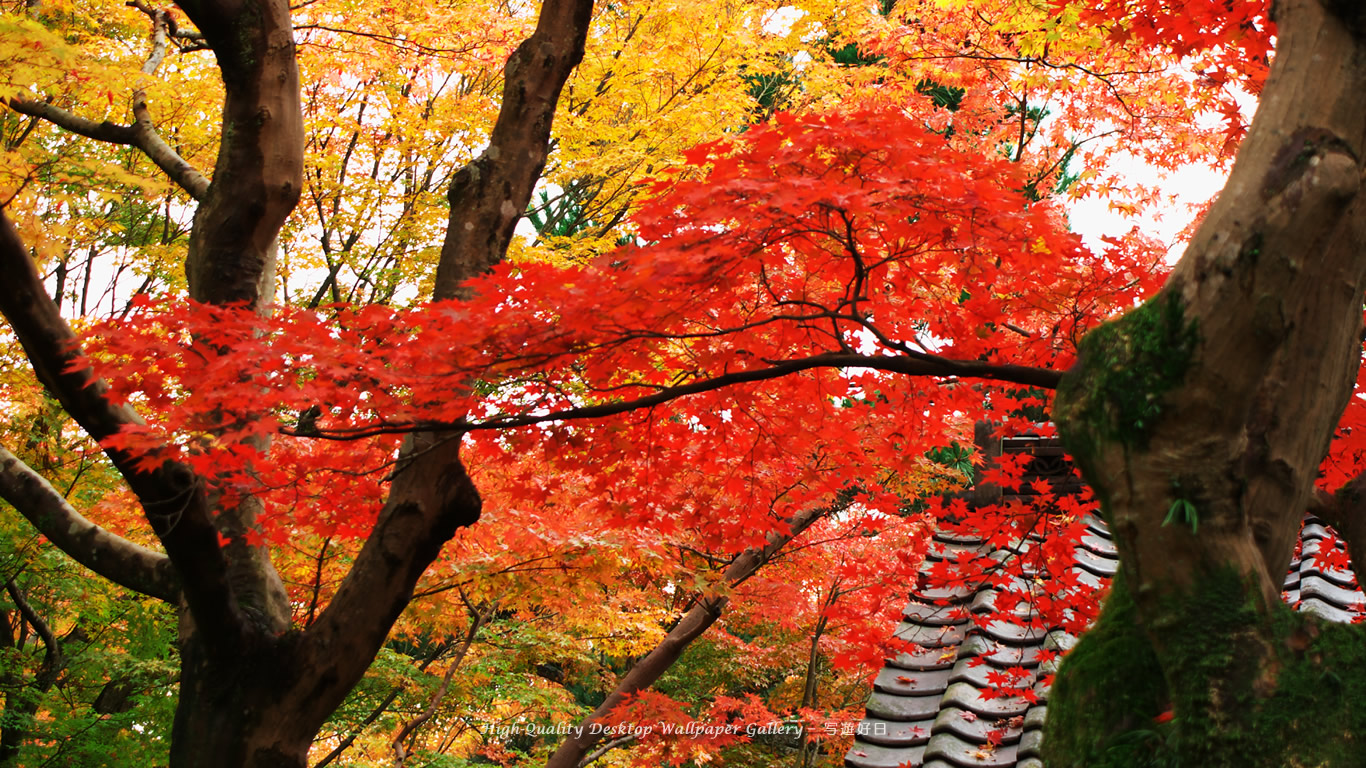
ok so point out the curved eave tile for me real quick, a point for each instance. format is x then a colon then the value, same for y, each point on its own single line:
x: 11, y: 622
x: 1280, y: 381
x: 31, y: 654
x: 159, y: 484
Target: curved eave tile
x: 905, y: 682
x: 969, y: 727
x: 956, y: 752
x: 929, y: 636
x: 922, y: 612
x: 864, y: 755
x: 927, y: 709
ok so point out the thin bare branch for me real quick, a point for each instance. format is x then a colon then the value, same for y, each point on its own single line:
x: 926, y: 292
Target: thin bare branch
x: 704, y: 612
x: 477, y: 618
x: 592, y: 757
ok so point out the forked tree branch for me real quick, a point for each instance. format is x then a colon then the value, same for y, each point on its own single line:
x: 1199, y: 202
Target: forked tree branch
x: 172, y: 495
x: 52, y: 649
x: 141, y: 134
x: 258, y: 174
x: 431, y: 495
x: 16, y: 725
x: 378, y: 711
x: 478, y: 616
x: 492, y: 192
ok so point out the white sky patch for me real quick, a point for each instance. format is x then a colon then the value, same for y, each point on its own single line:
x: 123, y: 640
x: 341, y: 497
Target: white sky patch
x: 1188, y: 188
x: 779, y: 22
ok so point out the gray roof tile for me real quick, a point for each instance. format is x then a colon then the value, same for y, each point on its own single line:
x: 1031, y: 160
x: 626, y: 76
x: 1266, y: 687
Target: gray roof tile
x: 1030, y: 741
x: 1325, y: 610
x: 922, y: 612
x: 999, y: 654
x: 889, y: 706
x: 957, y: 752
x: 921, y: 659
x: 1313, y: 585
x: 1100, y: 543
x: 970, y: 727
x: 967, y: 696
x: 929, y: 636
x: 1100, y: 565
x: 865, y: 755
x: 908, y: 683
x: 892, y: 733
x: 1014, y: 634
x: 927, y: 709
x: 957, y: 593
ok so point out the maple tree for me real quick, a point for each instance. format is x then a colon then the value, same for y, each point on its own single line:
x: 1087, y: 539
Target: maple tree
x: 765, y: 344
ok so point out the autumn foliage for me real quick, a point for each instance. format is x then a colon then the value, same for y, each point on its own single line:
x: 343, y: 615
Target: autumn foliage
x: 783, y: 260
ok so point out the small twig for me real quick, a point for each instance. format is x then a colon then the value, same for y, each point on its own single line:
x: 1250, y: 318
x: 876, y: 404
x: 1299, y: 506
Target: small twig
x: 478, y: 615
x: 593, y: 756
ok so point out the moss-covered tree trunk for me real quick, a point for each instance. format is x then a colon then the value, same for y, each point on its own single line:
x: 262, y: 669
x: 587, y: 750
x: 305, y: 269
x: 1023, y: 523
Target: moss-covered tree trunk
x: 1201, y: 419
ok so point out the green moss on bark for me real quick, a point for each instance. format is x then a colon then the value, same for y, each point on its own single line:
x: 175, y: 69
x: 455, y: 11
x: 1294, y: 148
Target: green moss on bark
x: 1124, y: 368
x: 1106, y: 694
x: 1305, y: 708
x: 1319, y: 710
x: 1212, y: 656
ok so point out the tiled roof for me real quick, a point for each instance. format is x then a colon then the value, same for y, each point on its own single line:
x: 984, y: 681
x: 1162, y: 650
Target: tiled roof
x: 927, y: 709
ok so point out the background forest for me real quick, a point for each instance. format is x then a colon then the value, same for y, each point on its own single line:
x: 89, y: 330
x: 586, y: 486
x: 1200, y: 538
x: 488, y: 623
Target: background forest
x: 709, y: 380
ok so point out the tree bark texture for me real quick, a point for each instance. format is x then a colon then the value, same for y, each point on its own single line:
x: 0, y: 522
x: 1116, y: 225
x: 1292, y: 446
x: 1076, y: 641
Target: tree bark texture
x: 253, y: 691
x: 1201, y: 418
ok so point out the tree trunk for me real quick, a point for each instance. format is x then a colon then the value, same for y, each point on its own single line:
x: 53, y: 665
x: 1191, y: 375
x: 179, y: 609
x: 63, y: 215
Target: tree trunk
x: 1201, y: 418
x: 809, y: 749
x: 253, y: 691
x: 230, y: 714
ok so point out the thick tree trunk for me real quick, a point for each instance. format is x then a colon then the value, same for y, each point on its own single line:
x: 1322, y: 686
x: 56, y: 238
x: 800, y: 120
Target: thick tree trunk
x: 260, y: 699
x: 1202, y: 417
x: 253, y: 691
x: 229, y: 713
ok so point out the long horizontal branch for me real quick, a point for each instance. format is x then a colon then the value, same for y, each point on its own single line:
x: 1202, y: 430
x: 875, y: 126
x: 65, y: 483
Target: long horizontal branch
x: 1044, y: 378
x: 121, y: 561
x: 140, y: 134
x: 923, y: 365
